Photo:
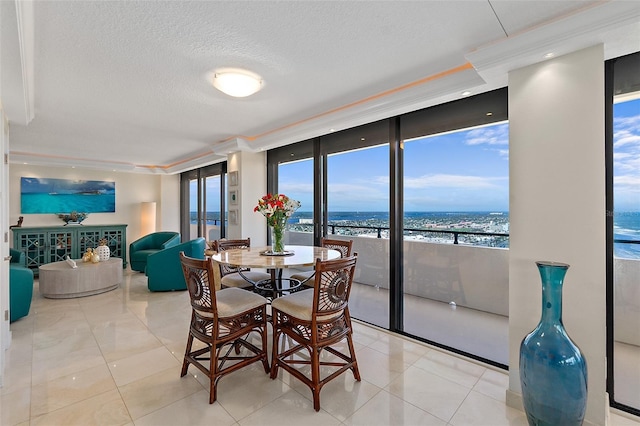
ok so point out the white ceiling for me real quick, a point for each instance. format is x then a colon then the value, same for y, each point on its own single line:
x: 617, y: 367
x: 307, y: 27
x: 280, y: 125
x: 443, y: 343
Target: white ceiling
x: 124, y: 85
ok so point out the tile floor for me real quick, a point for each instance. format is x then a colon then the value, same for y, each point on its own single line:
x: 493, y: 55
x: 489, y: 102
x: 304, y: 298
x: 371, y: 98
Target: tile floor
x: 115, y: 358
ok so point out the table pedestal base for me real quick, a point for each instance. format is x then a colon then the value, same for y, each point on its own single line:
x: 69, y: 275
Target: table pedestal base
x: 274, y: 288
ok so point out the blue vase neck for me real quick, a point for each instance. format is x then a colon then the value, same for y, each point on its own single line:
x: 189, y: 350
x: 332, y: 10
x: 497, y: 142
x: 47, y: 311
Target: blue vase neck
x: 552, y: 275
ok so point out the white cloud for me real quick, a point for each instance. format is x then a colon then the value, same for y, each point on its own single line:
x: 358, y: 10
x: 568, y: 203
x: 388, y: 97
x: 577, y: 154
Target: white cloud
x: 627, y: 180
x: 632, y: 122
x: 294, y: 187
x: 625, y: 137
x: 452, y: 181
x: 490, y: 135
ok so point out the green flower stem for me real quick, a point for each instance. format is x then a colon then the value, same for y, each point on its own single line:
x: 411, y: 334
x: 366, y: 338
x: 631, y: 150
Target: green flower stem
x: 278, y: 239
x: 278, y: 225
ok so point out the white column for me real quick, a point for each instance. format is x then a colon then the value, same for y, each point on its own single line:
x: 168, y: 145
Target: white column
x: 557, y: 206
x: 252, y: 184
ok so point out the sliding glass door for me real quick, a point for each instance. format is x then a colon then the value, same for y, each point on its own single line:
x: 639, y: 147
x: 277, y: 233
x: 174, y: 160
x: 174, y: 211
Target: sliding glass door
x: 623, y: 232
x: 424, y: 197
x: 295, y: 180
x: 456, y: 224
x: 358, y: 209
x: 203, y: 203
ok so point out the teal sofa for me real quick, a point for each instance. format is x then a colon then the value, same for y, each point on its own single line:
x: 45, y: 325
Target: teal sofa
x: 164, y: 271
x: 20, y: 286
x: 142, y: 248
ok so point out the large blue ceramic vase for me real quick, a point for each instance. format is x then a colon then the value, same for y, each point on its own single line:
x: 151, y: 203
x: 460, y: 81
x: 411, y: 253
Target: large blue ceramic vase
x: 553, y: 373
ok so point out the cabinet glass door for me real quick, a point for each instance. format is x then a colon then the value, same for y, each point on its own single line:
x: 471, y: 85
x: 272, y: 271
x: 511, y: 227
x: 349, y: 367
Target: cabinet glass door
x: 33, y: 245
x: 60, y: 245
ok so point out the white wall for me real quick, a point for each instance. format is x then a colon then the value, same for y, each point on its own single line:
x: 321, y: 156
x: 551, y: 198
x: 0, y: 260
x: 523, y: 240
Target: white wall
x: 131, y: 190
x: 557, y: 206
x: 169, y: 205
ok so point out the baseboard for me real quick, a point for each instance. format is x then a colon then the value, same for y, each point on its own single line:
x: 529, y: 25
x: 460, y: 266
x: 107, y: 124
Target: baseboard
x: 514, y: 400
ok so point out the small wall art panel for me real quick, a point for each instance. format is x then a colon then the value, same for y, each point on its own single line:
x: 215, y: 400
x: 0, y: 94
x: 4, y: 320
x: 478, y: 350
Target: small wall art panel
x: 39, y: 195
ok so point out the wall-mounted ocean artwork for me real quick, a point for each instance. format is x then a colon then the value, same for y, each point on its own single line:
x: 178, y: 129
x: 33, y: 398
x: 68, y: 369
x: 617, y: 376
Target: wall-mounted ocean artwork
x: 39, y: 195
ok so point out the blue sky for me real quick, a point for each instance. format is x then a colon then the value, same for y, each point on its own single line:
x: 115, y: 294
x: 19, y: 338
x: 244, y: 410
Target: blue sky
x: 626, y: 156
x: 461, y: 171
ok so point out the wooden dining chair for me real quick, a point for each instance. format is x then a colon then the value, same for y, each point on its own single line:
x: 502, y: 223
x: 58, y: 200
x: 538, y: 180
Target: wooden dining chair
x: 230, y: 275
x: 343, y: 246
x: 224, y: 320
x: 316, y: 321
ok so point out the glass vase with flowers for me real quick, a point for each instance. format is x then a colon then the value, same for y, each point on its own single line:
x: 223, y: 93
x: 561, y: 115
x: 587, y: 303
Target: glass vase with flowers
x: 277, y: 209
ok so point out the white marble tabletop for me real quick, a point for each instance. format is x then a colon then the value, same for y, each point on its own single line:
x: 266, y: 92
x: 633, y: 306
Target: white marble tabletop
x: 253, y: 257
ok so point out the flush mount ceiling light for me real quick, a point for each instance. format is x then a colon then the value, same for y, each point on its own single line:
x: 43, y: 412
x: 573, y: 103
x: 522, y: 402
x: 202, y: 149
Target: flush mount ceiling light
x: 238, y: 84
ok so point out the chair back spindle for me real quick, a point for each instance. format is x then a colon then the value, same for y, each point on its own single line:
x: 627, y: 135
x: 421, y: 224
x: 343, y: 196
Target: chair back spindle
x: 333, y: 285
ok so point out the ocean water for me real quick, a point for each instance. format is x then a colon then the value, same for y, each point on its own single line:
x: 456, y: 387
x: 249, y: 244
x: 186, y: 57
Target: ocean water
x: 66, y: 203
x: 626, y: 224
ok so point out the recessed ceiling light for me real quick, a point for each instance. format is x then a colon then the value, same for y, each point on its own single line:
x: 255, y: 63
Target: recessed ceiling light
x: 466, y: 93
x: 549, y: 55
x: 361, y: 139
x: 237, y: 83
x: 489, y: 114
x: 332, y: 130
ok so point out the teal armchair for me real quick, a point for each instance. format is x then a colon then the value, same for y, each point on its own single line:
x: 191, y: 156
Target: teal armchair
x: 20, y: 286
x: 164, y: 271
x: 142, y: 248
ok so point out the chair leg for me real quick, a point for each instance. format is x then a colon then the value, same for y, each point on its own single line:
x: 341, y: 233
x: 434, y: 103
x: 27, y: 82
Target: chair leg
x: 185, y: 362
x: 315, y: 377
x: 263, y: 334
x: 274, y: 349
x: 213, y: 374
x: 352, y: 353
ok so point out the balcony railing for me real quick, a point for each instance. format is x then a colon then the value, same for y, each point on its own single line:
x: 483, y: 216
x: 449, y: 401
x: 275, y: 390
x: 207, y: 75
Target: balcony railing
x: 492, y: 239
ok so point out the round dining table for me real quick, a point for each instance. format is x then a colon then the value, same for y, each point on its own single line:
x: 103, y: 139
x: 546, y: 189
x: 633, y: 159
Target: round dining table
x: 261, y: 257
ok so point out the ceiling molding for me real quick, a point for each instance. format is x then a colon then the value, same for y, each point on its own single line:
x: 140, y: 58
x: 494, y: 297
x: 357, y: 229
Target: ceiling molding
x: 563, y: 36
x: 431, y: 90
x: 200, y: 160
x: 64, y: 161
x: 230, y: 146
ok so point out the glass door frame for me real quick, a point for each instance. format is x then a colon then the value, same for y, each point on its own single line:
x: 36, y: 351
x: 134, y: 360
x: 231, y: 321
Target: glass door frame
x: 200, y: 175
x: 477, y: 110
x: 620, y: 74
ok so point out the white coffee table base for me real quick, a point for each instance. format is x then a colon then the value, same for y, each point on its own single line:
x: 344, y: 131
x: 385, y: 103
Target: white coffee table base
x: 58, y: 280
